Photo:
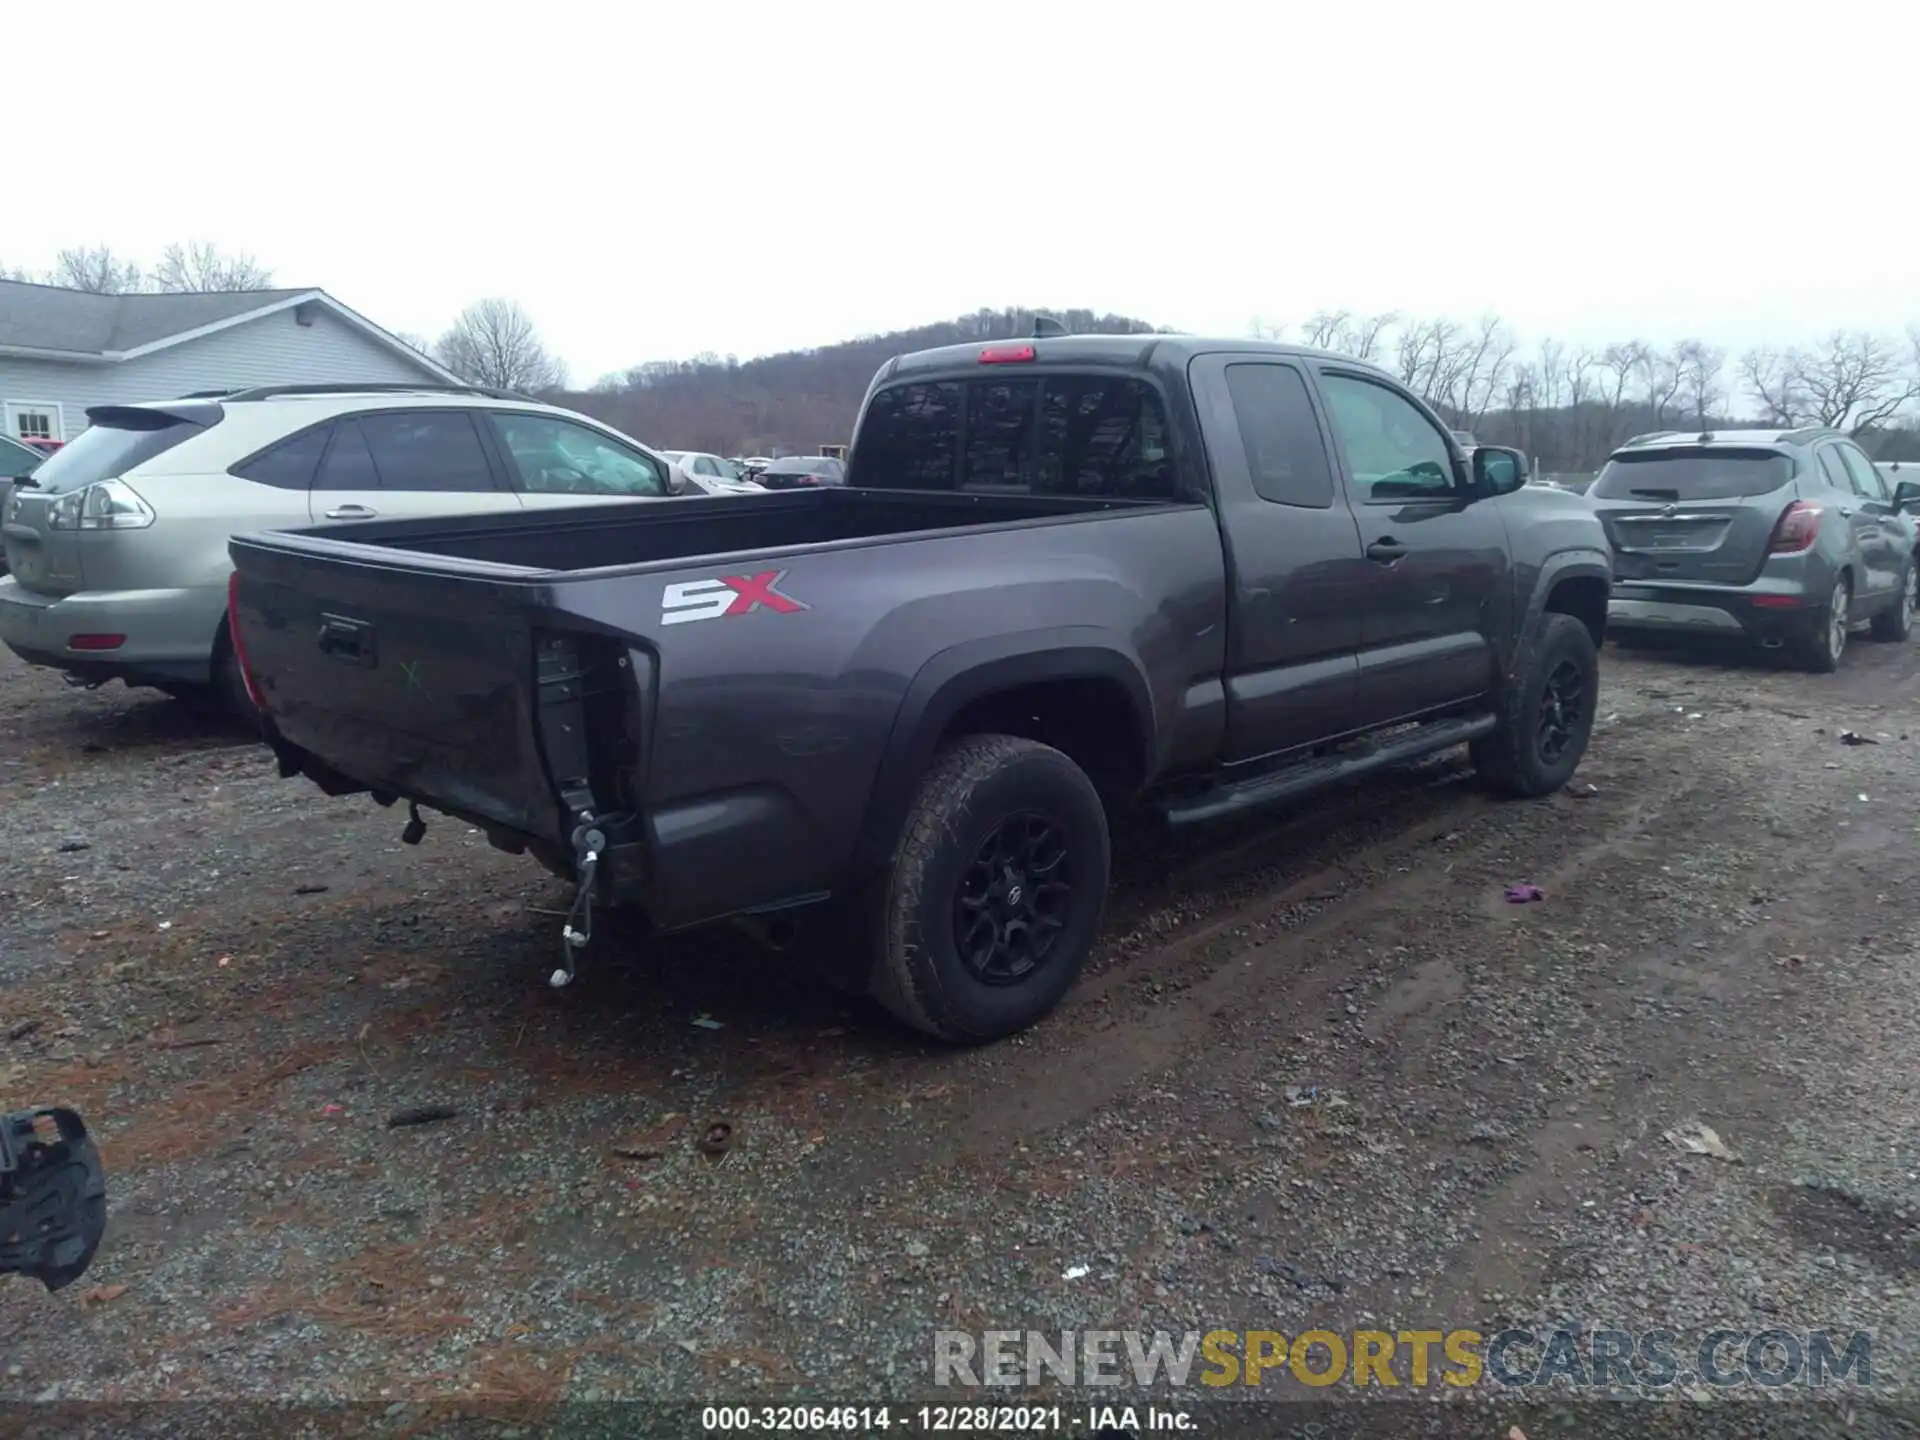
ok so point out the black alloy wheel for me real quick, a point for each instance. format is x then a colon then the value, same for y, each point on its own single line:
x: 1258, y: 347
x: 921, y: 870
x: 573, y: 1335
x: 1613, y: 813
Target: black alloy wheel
x: 1013, y: 899
x: 1563, y: 709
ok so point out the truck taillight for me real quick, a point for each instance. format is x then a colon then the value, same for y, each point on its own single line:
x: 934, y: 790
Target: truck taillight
x: 1006, y: 354
x: 233, y: 637
x: 1798, y: 528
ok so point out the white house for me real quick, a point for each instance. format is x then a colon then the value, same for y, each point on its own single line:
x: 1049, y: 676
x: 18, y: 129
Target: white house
x: 62, y: 351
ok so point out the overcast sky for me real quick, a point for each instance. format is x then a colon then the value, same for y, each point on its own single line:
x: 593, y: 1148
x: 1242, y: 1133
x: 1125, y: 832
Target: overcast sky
x: 655, y: 180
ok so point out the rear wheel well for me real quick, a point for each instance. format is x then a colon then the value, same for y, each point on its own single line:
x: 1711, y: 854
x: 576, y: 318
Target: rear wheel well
x: 1585, y: 598
x: 1089, y: 719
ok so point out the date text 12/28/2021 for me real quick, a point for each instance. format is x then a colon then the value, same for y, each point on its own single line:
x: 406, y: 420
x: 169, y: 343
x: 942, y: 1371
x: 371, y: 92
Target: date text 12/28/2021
x: 945, y: 1419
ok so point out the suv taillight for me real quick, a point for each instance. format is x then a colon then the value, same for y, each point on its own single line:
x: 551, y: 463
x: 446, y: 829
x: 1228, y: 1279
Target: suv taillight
x: 1798, y: 528
x: 233, y: 638
x: 103, y: 505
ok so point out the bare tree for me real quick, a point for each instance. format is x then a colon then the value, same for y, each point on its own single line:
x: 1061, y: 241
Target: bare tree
x: 1552, y: 368
x: 1660, y: 382
x: 493, y: 342
x: 1520, y: 396
x: 1698, y: 366
x: 415, y: 342
x: 95, y: 268
x: 1327, y: 329
x: 1345, y: 333
x: 1424, y: 354
x: 1478, y: 368
x: 1619, y: 363
x: 1577, y: 377
x: 1856, y: 381
x: 200, y: 266
x: 1771, y: 378
x: 1261, y: 328
x: 16, y: 272
x: 1366, y: 335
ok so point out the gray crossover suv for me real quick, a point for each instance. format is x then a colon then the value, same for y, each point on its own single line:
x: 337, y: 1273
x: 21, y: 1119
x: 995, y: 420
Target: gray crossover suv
x: 1789, y: 538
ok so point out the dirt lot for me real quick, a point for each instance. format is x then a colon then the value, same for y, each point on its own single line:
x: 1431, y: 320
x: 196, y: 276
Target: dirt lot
x: 1320, y: 1073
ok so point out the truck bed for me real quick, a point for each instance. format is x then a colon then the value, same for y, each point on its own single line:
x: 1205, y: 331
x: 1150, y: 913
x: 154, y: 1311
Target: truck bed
x: 647, y: 532
x: 522, y: 670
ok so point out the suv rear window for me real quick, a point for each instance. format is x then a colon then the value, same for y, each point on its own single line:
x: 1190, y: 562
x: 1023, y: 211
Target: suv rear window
x: 17, y: 459
x: 1092, y: 435
x: 1698, y: 474
x: 115, y: 442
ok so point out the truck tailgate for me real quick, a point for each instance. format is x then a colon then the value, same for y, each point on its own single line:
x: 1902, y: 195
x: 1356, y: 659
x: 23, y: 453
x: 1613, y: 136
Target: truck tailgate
x: 407, y: 678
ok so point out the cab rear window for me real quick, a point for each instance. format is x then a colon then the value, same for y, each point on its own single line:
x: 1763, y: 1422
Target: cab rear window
x: 1101, y: 436
x: 117, y: 441
x: 1697, y: 474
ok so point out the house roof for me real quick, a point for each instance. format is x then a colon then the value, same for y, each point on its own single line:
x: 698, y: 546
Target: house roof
x: 50, y: 322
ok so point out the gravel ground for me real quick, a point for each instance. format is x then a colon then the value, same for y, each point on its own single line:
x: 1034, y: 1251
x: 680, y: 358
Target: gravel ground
x: 1320, y: 1073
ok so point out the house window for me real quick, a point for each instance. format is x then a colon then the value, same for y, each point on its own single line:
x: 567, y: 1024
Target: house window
x: 35, y: 419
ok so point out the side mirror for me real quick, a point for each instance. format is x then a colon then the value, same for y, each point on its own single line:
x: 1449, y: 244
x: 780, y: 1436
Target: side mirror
x: 1498, y: 470
x: 677, y: 481
x: 1906, y: 496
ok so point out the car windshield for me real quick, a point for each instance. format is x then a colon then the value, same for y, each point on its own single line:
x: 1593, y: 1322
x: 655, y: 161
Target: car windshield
x: 801, y: 465
x: 1697, y: 474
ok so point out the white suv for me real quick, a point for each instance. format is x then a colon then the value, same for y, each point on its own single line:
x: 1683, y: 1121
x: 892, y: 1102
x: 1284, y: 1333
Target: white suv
x: 118, y: 542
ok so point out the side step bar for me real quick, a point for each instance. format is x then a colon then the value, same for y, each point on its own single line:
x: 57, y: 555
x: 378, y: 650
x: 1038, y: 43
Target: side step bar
x: 1307, y: 775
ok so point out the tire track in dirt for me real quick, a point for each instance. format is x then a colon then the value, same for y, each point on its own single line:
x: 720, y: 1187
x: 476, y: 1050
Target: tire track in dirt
x: 1156, y: 1011
x: 1596, y: 1148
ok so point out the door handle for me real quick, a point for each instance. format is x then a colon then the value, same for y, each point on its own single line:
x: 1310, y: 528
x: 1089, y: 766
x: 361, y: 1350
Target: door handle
x: 350, y: 512
x: 1846, y: 511
x: 1386, y: 550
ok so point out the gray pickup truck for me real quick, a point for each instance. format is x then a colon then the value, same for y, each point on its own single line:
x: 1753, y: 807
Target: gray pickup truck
x: 1204, y: 574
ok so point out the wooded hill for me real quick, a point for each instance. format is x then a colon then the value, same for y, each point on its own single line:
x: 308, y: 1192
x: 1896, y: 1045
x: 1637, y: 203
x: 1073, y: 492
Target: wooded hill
x: 1565, y: 405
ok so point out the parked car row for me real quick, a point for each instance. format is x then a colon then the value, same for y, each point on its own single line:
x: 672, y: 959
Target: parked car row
x: 757, y: 473
x: 797, y: 471
x: 709, y: 473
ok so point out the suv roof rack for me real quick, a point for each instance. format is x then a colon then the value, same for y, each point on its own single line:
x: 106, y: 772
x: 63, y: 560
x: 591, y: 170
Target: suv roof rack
x: 1801, y: 432
x: 1650, y: 435
x: 429, y: 387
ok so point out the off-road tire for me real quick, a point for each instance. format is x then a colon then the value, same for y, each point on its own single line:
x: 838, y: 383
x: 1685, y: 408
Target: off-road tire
x: 973, y: 787
x: 1818, y: 651
x: 1897, y: 624
x: 1510, y: 759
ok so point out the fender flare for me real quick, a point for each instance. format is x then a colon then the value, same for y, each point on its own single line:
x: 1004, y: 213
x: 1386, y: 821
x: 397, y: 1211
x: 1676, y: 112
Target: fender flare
x: 1582, y: 563
x: 962, y: 674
